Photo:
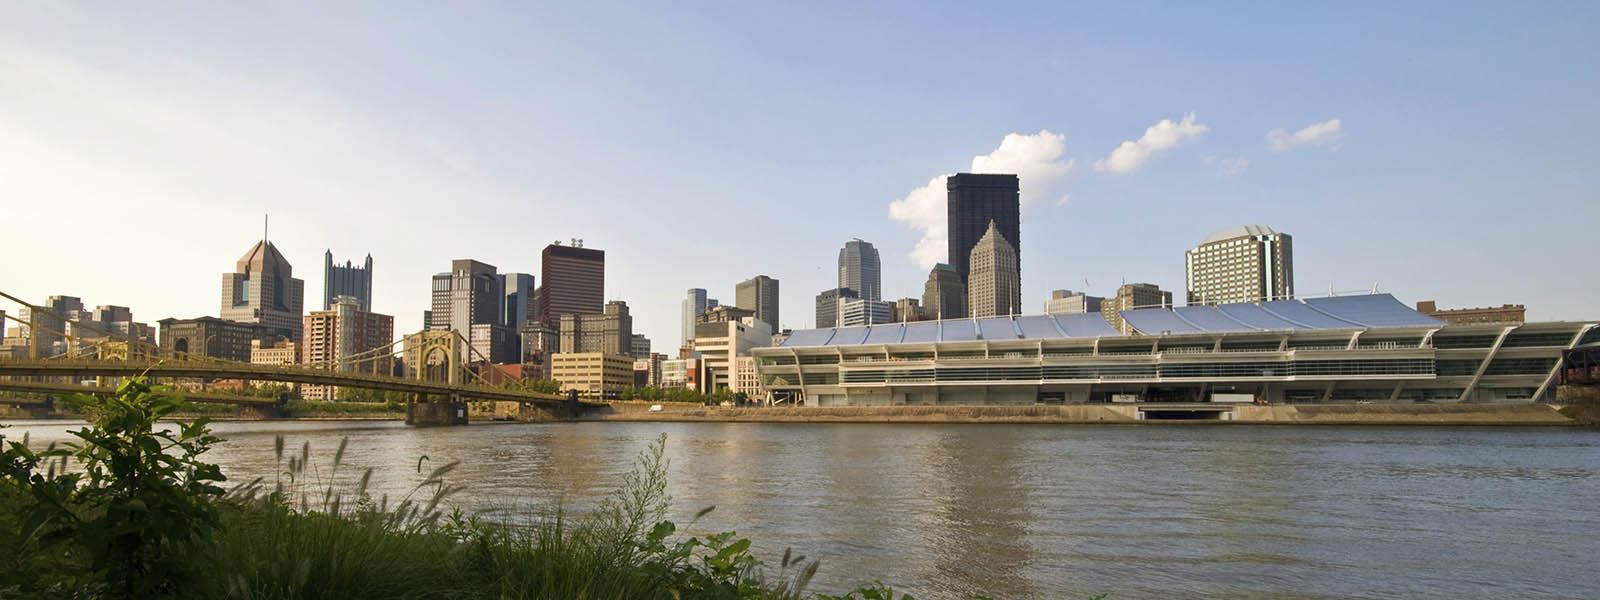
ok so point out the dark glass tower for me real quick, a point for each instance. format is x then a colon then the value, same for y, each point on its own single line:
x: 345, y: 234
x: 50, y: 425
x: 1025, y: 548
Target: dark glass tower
x: 573, y: 282
x: 346, y: 280
x: 974, y: 200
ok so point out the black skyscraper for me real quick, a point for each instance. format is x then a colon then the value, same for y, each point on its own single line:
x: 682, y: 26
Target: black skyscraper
x: 974, y: 201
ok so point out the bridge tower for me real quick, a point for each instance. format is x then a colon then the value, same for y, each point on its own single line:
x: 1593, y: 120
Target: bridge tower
x: 425, y: 351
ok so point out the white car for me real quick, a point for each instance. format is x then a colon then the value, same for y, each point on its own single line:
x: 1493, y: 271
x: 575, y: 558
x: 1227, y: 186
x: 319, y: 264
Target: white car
x: 655, y: 408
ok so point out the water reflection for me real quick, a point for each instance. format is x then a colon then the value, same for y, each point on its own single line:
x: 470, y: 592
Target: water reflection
x: 949, y: 511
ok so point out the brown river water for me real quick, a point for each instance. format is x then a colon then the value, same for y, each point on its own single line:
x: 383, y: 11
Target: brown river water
x: 1048, y: 511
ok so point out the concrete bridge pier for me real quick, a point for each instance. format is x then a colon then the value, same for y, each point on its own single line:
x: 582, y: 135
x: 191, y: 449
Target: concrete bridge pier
x: 444, y: 411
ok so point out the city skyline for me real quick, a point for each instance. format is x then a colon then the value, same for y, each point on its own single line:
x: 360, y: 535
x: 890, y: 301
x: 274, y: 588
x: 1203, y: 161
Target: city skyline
x: 1319, y: 155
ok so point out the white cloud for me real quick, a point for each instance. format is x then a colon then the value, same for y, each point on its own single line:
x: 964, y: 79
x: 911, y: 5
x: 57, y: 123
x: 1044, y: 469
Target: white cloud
x: 1326, y: 133
x: 1128, y: 156
x: 1037, y: 160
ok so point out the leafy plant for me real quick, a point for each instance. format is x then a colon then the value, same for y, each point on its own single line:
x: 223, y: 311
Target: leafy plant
x: 139, y: 501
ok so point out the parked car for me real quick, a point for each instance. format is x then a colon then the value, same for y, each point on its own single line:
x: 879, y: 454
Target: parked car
x: 655, y: 408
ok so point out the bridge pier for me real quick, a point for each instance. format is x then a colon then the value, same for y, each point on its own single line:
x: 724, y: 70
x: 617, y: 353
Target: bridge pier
x: 448, y: 411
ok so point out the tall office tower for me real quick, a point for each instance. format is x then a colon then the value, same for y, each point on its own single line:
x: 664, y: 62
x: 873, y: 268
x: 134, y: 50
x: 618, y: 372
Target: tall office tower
x: 860, y: 270
x: 610, y: 332
x: 828, y: 305
x: 1131, y: 296
x: 574, y: 281
x: 974, y: 201
x: 640, y: 345
x: 1068, y: 302
x: 472, y: 293
x: 861, y: 311
x: 347, y: 339
x: 760, y: 294
x: 1248, y: 263
x: 692, y: 306
x: 520, y: 301
x: 995, y: 287
x: 262, y: 290
x: 346, y: 280
x: 944, y: 296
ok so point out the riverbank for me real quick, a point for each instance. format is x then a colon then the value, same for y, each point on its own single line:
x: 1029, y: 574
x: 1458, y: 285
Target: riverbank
x: 1348, y: 414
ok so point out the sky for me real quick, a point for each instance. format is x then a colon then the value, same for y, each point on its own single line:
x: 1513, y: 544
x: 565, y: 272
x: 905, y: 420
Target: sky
x: 1433, y: 150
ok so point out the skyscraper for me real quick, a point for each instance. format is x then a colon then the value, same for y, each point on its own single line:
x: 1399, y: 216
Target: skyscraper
x: 944, y: 296
x: 346, y: 280
x: 974, y: 201
x: 692, y: 305
x: 760, y: 294
x: 995, y: 287
x: 861, y: 311
x: 860, y: 270
x: 262, y: 290
x: 828, y: 305
x: 1248, y: 263
x: 520, y: 300
x: 472, y: 293
x: 610, y: 332
x: 574, y: 282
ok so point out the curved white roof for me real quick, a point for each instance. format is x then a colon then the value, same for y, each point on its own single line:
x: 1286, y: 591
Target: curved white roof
x: 1238, y: 231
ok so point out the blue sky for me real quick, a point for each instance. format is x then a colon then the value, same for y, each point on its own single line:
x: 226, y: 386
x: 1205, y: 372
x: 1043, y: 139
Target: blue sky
x: 701, y: 144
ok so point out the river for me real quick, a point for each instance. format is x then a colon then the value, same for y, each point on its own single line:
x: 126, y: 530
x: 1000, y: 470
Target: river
x: 1050, y: 511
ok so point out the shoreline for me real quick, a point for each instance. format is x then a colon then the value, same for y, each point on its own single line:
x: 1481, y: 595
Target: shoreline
x: 1422, y: 415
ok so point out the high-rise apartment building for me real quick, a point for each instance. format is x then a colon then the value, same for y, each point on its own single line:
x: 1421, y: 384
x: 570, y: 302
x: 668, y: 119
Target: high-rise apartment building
x: 573, y: 282
x: 346, y: 339
x: 520, y: 304
x: 944, y: 296
x: 861, y: 311
x: 1068, y: 302
x: 610, y: 332
x: 760, y: 294
x: 262, y: 289
x: 346, y: 280
x: 995, y: 285
x: 828, y: 305
x: 860, y: 269
x: 1131, y: 296
x: 1248, y: 263
x: 975, y: 201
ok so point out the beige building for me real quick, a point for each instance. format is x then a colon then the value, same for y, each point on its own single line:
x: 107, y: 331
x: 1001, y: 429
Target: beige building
x: 1248, y: 263
x: 996, y: 282
x: 1505, y: 313
x: 1068, y: 302
x: 1131, y: 296
x: 595, y: 375
x: 718, y: 344
x: 282, y: 353
x: 747, y: 380
x: 346, y: 339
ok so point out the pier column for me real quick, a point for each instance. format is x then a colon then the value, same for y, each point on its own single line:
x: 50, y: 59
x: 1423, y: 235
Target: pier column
x: 421, y: 411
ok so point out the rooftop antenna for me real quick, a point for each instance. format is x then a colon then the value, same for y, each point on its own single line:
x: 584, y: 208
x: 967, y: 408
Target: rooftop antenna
x: 264, y: 218
x: 1374, y: 287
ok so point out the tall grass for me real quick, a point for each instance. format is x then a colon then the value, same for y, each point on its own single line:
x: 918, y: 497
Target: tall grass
x: 290, y: 538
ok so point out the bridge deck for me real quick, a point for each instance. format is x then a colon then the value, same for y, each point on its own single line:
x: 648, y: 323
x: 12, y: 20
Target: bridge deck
x: 277, y: 373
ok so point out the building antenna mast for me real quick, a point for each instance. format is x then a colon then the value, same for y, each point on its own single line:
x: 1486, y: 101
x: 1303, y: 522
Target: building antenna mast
x: 264, y: 218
